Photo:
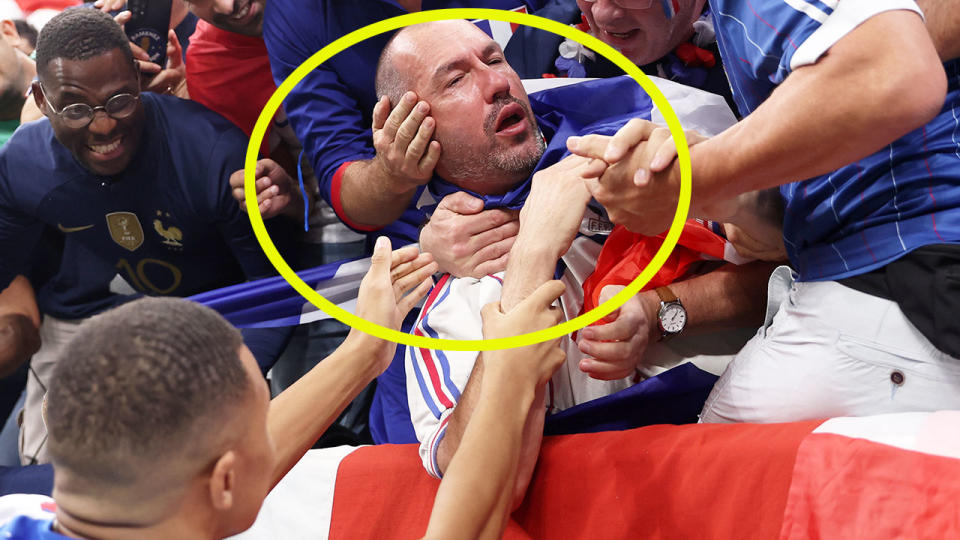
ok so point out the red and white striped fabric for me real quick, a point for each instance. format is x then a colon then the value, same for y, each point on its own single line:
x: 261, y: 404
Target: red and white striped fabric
x: 889, y: 476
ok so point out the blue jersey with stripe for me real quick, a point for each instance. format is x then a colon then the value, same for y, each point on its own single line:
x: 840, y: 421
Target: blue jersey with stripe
x: 869, y: 213
x: 331, y: 108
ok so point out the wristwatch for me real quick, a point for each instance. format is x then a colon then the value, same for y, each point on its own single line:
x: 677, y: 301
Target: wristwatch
x: 672, y: 317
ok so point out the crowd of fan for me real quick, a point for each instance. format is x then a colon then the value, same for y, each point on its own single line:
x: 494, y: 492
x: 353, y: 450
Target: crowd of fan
x: 832, y: 199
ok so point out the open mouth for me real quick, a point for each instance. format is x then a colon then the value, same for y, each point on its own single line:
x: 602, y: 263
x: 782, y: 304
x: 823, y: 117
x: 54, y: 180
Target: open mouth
x: 620, y: 36
x: 106, y: 151
x: 510, y: 120
x: 246, y: 12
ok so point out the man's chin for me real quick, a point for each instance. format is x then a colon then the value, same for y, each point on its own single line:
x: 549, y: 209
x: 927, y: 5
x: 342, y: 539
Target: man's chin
x: 107, y: 168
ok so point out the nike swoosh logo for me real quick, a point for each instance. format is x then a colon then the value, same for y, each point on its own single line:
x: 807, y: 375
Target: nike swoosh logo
x: 72, y: 229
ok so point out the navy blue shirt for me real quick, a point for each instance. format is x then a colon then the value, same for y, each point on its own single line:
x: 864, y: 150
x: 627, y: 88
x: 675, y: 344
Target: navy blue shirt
x: 167, y: 225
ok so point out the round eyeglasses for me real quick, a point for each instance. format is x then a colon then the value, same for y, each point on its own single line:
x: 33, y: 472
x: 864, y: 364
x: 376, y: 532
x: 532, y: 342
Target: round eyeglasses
x: 79, y: 115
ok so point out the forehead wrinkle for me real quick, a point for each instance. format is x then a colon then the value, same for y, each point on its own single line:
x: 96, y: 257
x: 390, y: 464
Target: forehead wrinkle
x: 489, y: 49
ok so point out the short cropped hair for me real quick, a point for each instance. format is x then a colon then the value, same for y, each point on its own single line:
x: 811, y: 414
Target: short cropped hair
x: 389, y: 81
x: 27, y: 31
x: 80, y: 34
x: 147, y: 382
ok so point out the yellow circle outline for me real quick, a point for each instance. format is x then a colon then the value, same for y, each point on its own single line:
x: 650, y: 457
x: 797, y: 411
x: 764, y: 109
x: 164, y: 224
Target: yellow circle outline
x: 402, y: 338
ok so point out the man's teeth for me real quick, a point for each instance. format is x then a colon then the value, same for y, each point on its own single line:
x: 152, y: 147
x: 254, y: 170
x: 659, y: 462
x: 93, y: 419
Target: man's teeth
x: 622, y: 35
x: 243, y: 11
x: 105, y: 148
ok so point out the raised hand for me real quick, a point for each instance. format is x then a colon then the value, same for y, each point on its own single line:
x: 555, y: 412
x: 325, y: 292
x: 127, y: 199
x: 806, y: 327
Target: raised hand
x: 394, y: 284
x: 277, y: 192
x: 533, y: 364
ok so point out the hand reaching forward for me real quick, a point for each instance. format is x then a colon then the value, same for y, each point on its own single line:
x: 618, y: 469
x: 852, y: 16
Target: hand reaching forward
x: 532, y: 364
x: 401, y: 137
x: 277, y: 192
x: 395, y: 282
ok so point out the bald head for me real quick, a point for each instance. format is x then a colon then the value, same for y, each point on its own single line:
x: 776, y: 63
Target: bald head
x: 394, y: 69
x: 484, y: 124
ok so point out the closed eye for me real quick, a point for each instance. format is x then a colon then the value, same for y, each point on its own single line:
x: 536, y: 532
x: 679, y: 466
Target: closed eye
x: 454, y: 81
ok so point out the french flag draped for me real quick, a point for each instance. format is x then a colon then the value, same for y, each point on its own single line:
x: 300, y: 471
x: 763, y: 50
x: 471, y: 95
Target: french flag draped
x: 886, y: 476
x: 272, y: 302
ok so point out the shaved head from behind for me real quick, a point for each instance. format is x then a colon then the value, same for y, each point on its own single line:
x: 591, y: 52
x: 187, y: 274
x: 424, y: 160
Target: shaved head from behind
x: 152, y: 406
x: 484, y: 123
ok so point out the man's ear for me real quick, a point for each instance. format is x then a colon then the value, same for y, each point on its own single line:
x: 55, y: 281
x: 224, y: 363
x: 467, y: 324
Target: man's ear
x: 38, y: 97
x: 223, y: 481
x: 8, y: 30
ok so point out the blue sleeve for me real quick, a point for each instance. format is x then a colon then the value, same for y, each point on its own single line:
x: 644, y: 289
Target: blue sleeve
x: 266, y: 344
x: 19, y: 232
x: 763, y: 42
x: 327, y: 113
x: 226, y: 156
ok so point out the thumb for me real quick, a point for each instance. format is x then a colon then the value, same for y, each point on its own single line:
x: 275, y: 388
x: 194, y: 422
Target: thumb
x: 609, y: 292
x: 490, y: 311
x: 462, y: 203
x: 174, y: 51
x: 380, y: 261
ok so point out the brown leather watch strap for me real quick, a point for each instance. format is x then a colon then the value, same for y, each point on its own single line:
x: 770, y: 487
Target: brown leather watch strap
x: 665, y: 294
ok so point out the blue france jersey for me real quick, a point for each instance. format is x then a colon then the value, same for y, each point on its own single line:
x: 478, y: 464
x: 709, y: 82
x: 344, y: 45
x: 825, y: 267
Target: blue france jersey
x: 27, y: 528
x: 331, y: 108
x: 867, y: 214
x: 167, y: 225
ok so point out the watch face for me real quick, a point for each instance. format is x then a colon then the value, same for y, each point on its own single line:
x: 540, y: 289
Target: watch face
x: 673, y: 318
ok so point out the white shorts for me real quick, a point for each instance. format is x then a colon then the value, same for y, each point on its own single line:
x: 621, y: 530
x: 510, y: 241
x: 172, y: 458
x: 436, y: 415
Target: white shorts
x: 833, y: 351
x: 54, y: 334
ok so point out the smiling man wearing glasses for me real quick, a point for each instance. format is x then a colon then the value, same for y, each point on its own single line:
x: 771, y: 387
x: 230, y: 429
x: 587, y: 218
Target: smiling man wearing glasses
x: 136, y: 185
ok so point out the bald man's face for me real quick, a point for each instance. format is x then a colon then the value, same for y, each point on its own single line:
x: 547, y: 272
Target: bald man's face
x: 484, y: 123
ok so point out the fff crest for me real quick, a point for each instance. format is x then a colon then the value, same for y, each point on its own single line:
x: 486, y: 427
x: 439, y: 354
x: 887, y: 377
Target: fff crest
x: 125, y: 229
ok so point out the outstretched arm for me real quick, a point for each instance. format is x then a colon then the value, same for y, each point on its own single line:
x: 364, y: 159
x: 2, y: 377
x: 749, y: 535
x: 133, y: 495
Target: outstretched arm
x: 299, y: 415
x: 548, y: 223
x: 475, y: 495
x: 823, y: 116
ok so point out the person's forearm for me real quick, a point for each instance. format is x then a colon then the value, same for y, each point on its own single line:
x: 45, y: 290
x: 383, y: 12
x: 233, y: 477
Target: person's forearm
x: 302, y: 412
x: 19, y: 325
x: 731, y: 296
x: 844, y: 107
x: 462, y: 415
x: 532, y: 263
x: 371, y: 197
x: 943, y: 22
x: 18, y: 297
x: 485, y: 468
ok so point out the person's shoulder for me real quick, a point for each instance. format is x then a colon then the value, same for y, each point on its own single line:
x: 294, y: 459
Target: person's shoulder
x: 33, y: 148
x: 27, y: 516
x: 187, y: 124
x: 32, y: 135
x: 28, y: 528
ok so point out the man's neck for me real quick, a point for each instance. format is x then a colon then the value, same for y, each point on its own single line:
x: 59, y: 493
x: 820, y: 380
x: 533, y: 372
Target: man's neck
x: 83, y: 517
x: 74, y: 527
